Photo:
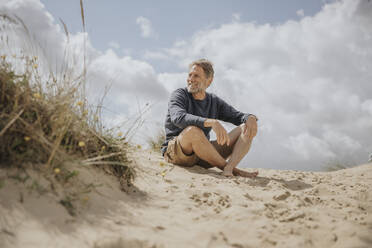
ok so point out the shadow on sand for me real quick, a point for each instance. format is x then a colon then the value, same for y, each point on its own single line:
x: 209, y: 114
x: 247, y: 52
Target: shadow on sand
x: 257, y: 181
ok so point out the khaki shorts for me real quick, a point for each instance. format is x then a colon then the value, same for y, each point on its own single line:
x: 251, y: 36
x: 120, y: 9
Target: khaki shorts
x: 175, y: 155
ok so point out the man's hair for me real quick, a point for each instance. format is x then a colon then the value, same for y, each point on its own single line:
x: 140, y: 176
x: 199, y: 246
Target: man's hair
x: 206, y: 65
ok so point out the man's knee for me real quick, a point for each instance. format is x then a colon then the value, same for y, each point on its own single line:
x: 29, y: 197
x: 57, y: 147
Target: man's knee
x: 188, y: 137
x: 192, y: 132
x: 245, y: 135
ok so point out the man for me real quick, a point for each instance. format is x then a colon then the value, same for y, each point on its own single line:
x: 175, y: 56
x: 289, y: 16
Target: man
x: 193, y: 113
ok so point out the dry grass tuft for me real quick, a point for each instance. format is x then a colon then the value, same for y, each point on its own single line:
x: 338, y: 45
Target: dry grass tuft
x: 46, y: 120
x: 335, y: 165
x: 157, y: 141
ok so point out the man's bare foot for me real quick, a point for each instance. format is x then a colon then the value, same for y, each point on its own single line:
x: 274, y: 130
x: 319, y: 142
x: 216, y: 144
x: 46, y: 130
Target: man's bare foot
x: 227, y: 174
x: 238, y: 172
x: 228, y: 171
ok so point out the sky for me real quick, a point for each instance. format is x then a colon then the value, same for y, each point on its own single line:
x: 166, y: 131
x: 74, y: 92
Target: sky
x: 142, y: 29
x: 303, y: 67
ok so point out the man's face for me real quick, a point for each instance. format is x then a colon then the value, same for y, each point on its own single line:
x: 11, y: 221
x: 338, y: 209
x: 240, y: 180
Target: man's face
x: 197, y: 81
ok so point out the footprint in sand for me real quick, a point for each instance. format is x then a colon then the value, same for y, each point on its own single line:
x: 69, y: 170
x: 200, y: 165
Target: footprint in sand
x: 214, y: 200
x: 282, y: 196
x: 220, y: 240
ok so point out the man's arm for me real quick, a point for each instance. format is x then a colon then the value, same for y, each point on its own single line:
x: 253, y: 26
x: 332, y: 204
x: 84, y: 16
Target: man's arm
x: 177, y: 109
x: 250, y: 127
x: 219, y: 130
x: 230, y: 114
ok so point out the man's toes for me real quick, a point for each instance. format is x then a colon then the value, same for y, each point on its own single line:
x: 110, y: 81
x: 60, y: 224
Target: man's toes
x: 249, y: 174
x: 227, y: 174
x: 254, y: 174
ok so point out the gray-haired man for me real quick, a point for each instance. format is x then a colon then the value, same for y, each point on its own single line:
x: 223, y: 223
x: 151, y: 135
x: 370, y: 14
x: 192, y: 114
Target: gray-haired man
x: 193, y: 113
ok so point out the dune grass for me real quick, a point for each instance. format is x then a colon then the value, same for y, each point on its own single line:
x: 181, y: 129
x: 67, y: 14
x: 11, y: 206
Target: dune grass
x: 335, y: 165
x: 156, y: 141
x: 46, y: 119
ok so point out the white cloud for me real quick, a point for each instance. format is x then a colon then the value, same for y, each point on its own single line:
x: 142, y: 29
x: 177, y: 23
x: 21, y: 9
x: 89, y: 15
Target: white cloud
x: 300, y: 13
x: 44, y: 38
x: 129, y: 76
x: 147, y: 30
x: 172, y: 81
x: 49, y: 36
x: 367, y: 106
x: 127, y: 51
x: 155, y: 55
x: 114, y: 44
x: 236, y: 17
x: 306, y: 145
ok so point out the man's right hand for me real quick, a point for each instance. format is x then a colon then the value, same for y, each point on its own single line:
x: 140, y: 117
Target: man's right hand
x: 219, y: 130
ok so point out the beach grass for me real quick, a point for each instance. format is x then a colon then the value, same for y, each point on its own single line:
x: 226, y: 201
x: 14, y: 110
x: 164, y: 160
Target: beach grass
x: 46, y: 119
x: 155, y: 142
x: 335, y: 165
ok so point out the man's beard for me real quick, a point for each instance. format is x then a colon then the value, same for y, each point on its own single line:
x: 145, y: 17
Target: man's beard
x: 196, y: 89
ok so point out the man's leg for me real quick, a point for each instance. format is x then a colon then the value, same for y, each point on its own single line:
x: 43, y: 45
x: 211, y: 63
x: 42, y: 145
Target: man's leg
x: 192, y: 139
x: 226, y: 152
x: 242, y: 144
x: 239, y: 152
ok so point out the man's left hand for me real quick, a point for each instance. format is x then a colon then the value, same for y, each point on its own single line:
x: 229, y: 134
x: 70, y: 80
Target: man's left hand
x: 250, y: 127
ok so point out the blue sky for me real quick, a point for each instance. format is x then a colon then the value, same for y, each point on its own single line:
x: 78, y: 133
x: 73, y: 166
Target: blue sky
x: 303, y: 67
x: 172, y: 21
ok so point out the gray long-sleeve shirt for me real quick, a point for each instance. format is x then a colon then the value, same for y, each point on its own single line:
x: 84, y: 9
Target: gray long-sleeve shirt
x: 184, y: 111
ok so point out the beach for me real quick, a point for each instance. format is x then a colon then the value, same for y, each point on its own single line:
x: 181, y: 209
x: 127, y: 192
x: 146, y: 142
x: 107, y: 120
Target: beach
x: 172, y: 206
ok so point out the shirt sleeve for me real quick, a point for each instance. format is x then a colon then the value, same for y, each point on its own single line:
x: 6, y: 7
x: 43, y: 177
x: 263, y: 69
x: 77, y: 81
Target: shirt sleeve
x: 230, y: 114
x: 177, y: 110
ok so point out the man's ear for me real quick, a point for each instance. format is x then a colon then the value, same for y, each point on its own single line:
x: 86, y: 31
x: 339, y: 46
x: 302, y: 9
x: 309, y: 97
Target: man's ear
x: 209, y: 81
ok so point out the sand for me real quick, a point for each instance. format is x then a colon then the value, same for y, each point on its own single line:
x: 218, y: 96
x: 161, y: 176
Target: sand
x: 171, y: 206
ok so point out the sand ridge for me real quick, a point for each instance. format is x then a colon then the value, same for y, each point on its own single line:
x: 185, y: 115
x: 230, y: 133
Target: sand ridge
x: 171, y: 206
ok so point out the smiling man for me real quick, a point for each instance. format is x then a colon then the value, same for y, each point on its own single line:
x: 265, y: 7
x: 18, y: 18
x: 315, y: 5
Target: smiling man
x: 193, y: 113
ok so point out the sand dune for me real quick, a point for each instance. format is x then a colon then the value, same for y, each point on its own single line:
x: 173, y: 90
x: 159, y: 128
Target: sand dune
x: 170, y: 206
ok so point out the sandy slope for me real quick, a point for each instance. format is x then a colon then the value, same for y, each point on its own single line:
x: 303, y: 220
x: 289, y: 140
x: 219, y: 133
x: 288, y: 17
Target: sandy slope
x: 177, y: 207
